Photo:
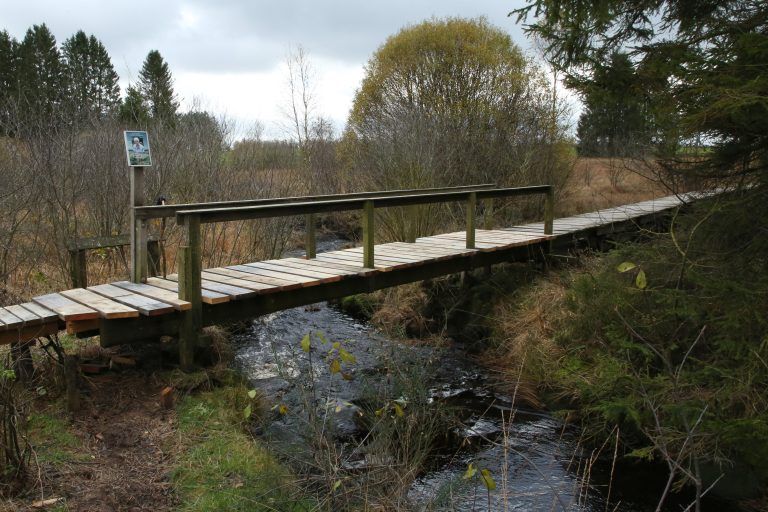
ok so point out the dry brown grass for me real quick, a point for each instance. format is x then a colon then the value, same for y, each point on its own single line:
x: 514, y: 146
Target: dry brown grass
x: 597, y: 183
x: 399, y: 310
x: 525, y: 331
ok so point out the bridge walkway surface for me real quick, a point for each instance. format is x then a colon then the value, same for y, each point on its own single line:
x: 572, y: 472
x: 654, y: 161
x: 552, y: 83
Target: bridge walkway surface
x: 127, y: 312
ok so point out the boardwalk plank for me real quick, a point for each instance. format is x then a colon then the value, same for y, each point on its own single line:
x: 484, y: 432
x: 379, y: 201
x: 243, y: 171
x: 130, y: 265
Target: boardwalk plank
x: 27, y: 316
x: 154, y: 292
x: 301, y: 264
x: 234, y: 292
x: 308, y: 273
x: 351, y: 268
x: 107, y: 308
x: 304, y: 281
x: 68, y: 310
x: 241, y: 283
x: 9, y: 320
x: 147, y: 306
x: 250, y: 276
x: 45, y: 314
x: 209, y: 297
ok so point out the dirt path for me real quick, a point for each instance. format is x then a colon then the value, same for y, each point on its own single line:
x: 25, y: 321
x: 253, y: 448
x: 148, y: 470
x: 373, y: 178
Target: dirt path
x: 125, y: 435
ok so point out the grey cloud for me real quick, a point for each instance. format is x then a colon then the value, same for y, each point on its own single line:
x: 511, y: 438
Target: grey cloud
x: 242, y: 35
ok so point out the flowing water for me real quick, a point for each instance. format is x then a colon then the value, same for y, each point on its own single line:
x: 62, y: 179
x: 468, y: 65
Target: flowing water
x: 536, y: 462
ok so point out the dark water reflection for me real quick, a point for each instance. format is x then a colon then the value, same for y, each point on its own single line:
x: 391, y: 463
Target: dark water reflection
x: 536, y: 462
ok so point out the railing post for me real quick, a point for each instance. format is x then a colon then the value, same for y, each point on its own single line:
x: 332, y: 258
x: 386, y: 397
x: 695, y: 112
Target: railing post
x: 190, y: 289
x: 311, y: 242
x: 138, y: 228
x: 412, y: 222
x: 488, y: 213
x: 471, y: 207
x: 153, y: 257
x: 78, y: 268
x: 549, y: 211
x: 368, y: 238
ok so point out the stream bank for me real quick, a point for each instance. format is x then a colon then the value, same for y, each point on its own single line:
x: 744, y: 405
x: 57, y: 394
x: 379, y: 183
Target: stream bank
x: 534, y: 461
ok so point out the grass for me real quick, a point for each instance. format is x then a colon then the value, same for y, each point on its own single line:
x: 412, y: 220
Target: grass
x: 219, y: 465
x: 52, y: 437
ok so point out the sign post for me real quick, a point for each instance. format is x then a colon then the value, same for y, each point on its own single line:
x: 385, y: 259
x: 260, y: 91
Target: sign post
x: 139, y: 156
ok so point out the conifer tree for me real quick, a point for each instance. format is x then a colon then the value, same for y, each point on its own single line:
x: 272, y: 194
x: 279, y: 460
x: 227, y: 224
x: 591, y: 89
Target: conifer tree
x: 40, y: 78
x: 134, y: 110
x: 9, y: 48
x: 92, y: 88
x: 156, y: 86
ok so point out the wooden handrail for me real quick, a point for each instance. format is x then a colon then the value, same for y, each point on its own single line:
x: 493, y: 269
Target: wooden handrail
x: 209, y: 215
x: 170, y: 210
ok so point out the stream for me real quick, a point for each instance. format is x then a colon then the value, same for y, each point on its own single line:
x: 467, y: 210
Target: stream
x: 536, y: 462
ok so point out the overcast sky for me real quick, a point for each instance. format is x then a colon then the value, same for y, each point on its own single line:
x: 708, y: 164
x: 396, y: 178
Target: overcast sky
x: 229, y: 55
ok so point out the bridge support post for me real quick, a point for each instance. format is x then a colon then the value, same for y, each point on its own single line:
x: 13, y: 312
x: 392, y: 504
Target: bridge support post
x: 138, y: 228
x: 471, y: 207
x: 488, y: 213
x: 412, y: 223
x: 190, y: 289
x: 549, y: 211
x: 311, y: 241
x: 368, y: 238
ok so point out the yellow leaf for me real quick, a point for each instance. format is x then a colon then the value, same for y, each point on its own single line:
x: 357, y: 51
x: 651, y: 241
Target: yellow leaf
x: 625, y: 267
x: 305, y: 343
x: 398, y: 410
x: 335, y: 366
x: 488, y: 480
x: 471, y: 471
x: 347, y: 357
x: 641, y: 281
x: 282, y: 409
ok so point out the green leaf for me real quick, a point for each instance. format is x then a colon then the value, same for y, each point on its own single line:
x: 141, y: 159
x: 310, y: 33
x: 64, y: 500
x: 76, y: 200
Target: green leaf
x: 247, y: 412
x: 336, y: 345
x: 347, y: 357
x: 305, y: 343
x: 490, y: 484
x: 335, y: 366
x: 625, y: 267
x: 641, y: 281
x: 470, y: 472
x: 252, y: 394
x: 336, y: 485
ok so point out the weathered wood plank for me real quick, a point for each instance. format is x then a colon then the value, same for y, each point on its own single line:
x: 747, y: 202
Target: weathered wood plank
x: 234, y: 292
x: 241, y: 283
x: 248, y: 275
x: 68, y: 310
x: 388, y: 255
x: 320, y: 265
x: 303, y: 272
x: 209, y: 297
x: 306, y: 281
x: 154, y: 292
x: 303, y: 265
x: 144, y: 305
x: 106, y: 307
x: 9, y: 320
x: 381, y: 263
x: 28, y: 317
x: 45, y: 314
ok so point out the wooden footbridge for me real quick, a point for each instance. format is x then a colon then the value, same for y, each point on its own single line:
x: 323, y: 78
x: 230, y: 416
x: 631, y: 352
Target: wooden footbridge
x: 180, y: 305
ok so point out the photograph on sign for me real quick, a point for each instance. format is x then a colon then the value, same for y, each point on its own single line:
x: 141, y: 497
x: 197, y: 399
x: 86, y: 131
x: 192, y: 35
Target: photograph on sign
x: 137, y: 149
